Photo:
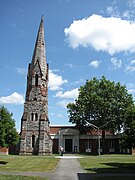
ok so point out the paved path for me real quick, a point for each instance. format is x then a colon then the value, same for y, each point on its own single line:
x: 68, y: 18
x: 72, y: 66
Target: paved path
x: 68, y: 168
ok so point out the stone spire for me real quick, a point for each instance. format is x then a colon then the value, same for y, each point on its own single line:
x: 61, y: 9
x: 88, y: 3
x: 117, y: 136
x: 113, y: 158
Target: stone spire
x: 35, y: 129
x: 39, y: 50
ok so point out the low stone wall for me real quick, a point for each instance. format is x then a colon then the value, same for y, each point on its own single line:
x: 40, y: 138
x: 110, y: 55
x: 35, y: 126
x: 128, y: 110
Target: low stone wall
x: 4, y: 150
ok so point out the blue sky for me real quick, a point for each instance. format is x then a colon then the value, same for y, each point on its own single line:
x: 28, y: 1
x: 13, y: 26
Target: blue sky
x: 83, y: 39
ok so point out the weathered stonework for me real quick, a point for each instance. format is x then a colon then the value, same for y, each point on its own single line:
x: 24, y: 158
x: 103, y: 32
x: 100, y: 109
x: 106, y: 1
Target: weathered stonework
x: 35, y: 130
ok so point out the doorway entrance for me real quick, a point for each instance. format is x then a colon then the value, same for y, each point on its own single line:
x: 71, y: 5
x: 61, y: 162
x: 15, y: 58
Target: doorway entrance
x: 68, y: 145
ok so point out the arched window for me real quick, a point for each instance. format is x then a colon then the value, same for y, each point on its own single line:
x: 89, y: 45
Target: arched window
x: 33, y: 140
x: 36, y: 116
x: 36, y: 80
x: 32, y: 116
x: 35, y: 99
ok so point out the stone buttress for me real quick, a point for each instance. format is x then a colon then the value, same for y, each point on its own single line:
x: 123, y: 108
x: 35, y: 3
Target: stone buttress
x: 35, y: 130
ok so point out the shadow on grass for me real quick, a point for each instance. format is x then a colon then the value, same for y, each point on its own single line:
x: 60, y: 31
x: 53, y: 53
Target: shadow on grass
x: 3, y: 162
x: 115, y: 168
x: 118, y: 171
x: 87, y: 176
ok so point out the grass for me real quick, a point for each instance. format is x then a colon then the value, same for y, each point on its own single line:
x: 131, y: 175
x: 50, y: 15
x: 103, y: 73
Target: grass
x: 9, y: 177
x: 14, y: 163
x: 108, y: 164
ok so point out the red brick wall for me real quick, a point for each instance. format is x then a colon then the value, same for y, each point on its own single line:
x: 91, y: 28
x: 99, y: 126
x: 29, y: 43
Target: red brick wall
x: 55, y: 146
x: 4, y: 150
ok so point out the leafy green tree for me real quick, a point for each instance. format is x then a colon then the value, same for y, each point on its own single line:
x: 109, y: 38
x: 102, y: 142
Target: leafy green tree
x: 102, y: 103
x: 8, y: 133
x: 128, y: 136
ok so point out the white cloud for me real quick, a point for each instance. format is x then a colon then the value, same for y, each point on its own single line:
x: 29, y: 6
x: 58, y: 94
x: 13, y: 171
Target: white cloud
x: 79, y: 81
x: 117, y: 63
x: 73, y: 94
x: 52, y: 114
x: 14, y: 98
x: 64, y: 103
x: 110, y: 34
x: 131, y: 67
x: 55, y: 81
x: 131, y: 88
x: 113, y: 11
x: 131, y: 3
x: 132, y: 62
x: 60, y: 115
x: 95, y: 63
x: 109, y: 9
x: 70, y: 65
x: 21, y: 71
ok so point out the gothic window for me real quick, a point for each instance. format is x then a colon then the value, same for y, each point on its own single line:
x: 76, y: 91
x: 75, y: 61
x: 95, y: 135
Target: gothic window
x: 36, y: 116
x: 36, y: 80
x: 32, y: 116
x: 33, y: 140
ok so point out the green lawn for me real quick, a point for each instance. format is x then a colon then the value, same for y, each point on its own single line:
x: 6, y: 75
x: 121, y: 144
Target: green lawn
x: 9, y: 177
x: 14, y: 163
x: 109, y: 163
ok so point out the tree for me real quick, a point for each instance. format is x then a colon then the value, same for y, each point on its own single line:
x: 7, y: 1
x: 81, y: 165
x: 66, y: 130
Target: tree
x: 101, y: 101
x: 8, y: 133
x: 128, y: 136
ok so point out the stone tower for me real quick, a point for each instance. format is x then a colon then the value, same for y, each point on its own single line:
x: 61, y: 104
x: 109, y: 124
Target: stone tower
x: 35, y: 137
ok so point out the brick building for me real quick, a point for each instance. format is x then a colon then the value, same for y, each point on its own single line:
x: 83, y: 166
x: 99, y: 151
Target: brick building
x: 71, y: 140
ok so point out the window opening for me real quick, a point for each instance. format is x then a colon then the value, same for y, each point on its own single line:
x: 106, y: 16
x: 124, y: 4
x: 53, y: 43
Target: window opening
x: 33, y: 140
x: 36, y: 116
x: 36, y: 80
x: 32, y: 116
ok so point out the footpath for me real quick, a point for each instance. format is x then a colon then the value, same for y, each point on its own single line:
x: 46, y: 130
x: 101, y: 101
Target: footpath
x: 68, y: 168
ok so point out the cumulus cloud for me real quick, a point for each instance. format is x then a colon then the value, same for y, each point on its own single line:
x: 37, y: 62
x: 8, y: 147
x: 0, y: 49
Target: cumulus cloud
x: 117, y: 63
x: 73, y: 94
x: 14, y: 98
x: 95, y: 63
x: 131, y: 67
x: 110, y: 34
x: 55, y: 81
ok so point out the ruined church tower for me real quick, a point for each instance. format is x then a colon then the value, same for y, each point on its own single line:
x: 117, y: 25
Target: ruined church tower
x: 35, y: 130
